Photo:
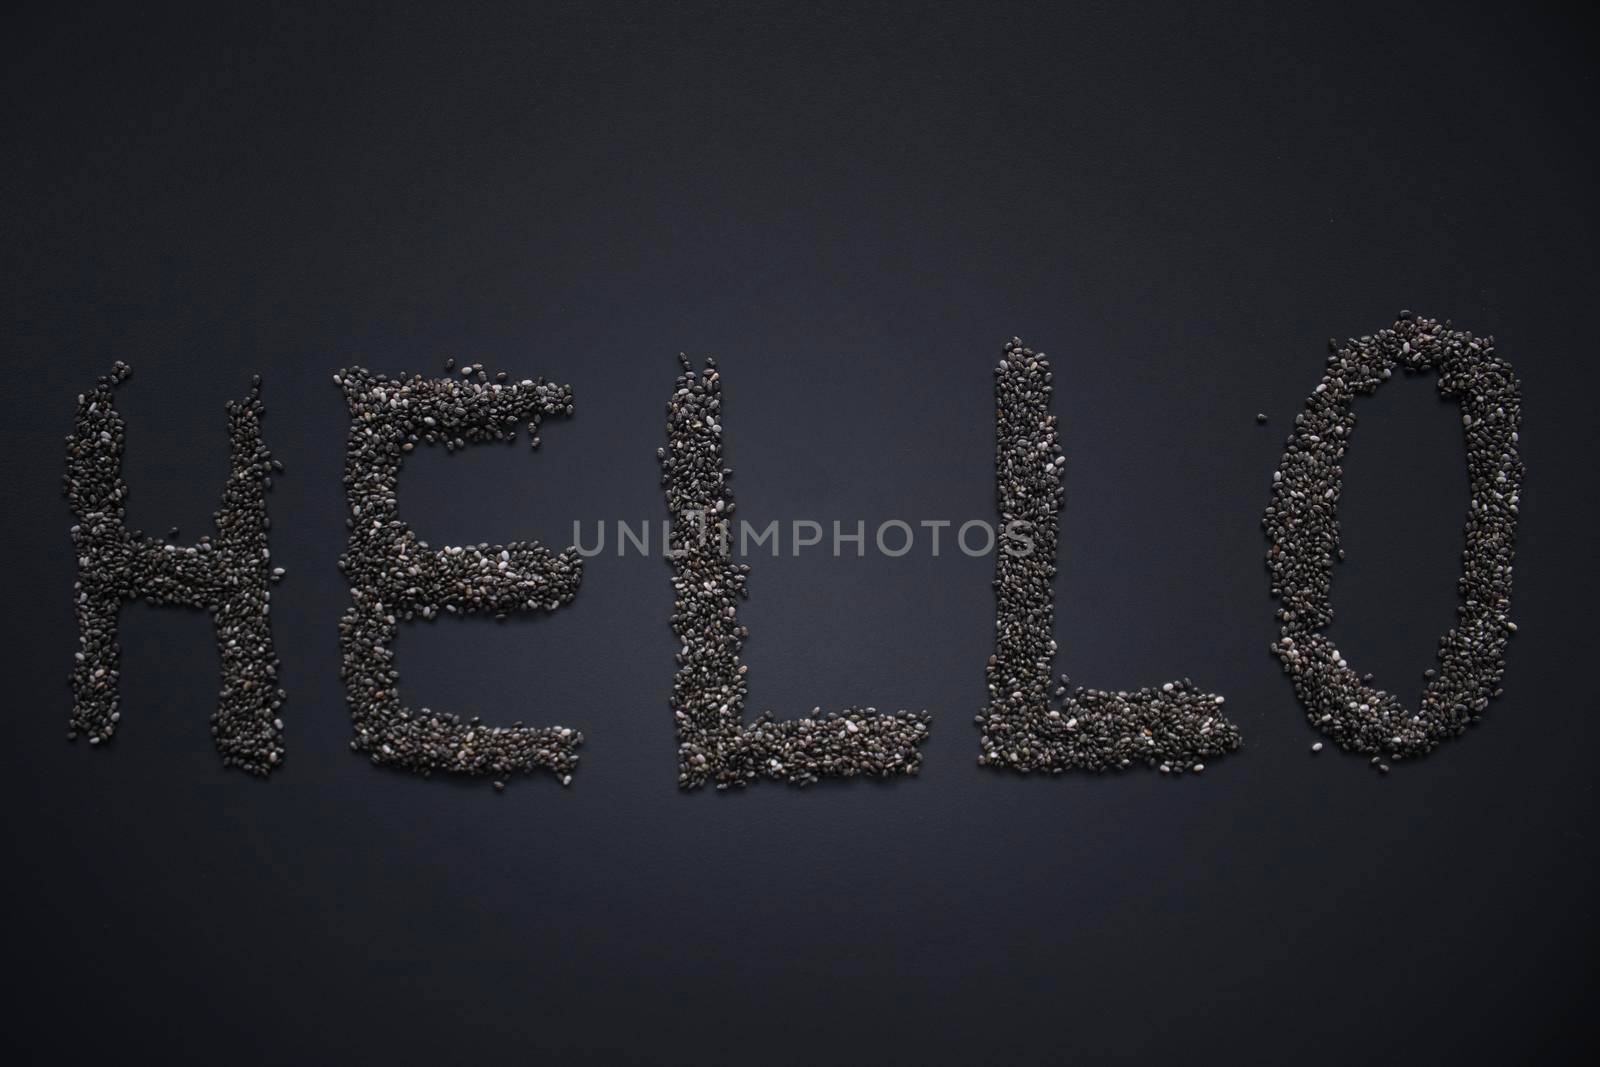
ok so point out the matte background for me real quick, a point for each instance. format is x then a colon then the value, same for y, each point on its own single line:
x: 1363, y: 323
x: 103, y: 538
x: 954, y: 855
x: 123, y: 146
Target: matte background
x: 853, y: 208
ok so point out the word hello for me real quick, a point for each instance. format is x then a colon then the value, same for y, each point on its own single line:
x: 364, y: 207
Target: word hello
x: 1029, y: 725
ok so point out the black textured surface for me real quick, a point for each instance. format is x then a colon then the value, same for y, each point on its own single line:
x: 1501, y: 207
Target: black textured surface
x: 852, y: 210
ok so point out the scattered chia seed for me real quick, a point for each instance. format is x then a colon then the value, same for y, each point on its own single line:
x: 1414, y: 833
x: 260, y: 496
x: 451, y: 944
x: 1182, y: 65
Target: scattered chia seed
x: 709, y: 690
x: 228, y: 576
x: 1165, y: 727
x: 1302, y: 529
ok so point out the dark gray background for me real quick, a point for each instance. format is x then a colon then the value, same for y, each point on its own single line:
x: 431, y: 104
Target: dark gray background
x: 853, y: 209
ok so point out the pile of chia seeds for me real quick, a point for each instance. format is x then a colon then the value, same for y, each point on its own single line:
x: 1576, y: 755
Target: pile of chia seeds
x: 227, y: 575
x: 708, y: 692
x: 1302, y: 528
x: 396, y: 577
x: 1174, y: 727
